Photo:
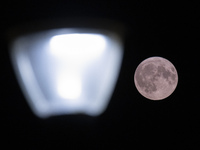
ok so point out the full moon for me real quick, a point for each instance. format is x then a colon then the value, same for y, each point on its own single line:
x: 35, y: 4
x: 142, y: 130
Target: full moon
x: 156, y: 78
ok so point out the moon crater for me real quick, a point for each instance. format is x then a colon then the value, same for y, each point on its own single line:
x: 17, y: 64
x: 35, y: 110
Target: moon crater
x: 156, y: 78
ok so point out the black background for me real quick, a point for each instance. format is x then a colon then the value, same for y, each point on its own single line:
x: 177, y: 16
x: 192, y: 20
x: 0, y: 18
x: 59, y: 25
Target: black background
x: 169, y: 30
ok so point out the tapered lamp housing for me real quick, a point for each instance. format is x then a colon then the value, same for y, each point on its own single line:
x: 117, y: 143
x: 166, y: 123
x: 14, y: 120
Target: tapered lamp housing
x: 67, y: 70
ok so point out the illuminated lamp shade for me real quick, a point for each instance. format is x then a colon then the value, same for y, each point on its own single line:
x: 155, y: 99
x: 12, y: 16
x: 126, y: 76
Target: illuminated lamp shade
x: 68, y: 70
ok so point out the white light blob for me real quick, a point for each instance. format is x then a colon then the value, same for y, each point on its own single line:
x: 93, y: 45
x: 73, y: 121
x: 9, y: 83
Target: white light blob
x: 67, y: 71
x: 69, y: 86
x: 81, y: 47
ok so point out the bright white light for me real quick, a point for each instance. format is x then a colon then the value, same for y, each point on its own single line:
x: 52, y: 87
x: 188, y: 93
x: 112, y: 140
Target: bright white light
x: 69, y: 86
x: 67, y: 71
x: 73, y: 53
x: 77, y: 47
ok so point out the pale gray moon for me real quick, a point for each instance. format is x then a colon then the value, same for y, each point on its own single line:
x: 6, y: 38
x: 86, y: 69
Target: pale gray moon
x: 156, y: 78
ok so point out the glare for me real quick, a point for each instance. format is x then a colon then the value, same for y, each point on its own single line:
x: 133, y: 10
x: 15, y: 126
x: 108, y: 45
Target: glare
x: 67, y: 71
x: 69, y: 86
x: 73, y: 53
x: 77, y: 47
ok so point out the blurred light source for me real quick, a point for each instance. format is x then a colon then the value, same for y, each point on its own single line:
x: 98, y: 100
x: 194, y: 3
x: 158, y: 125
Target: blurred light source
x: 81, y: 47
x: 67, y: 71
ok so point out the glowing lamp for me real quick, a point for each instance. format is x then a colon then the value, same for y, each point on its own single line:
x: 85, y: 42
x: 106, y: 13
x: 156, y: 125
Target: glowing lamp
x: 67, y: 70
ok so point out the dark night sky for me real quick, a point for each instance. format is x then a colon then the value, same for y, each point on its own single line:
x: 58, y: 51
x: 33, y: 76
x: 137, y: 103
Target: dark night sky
x: 169, y: 30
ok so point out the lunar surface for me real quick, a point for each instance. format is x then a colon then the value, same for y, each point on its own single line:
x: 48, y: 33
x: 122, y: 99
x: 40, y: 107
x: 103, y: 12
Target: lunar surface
x: 156, y: 78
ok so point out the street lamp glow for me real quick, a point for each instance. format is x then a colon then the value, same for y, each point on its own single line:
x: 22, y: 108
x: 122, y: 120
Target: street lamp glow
x: 67, y: 71
x: 81, y: 47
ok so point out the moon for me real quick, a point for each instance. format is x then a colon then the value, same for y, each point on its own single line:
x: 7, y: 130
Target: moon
x: 156, y: 78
